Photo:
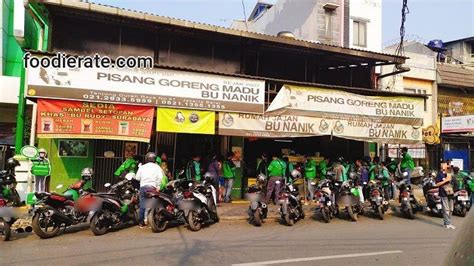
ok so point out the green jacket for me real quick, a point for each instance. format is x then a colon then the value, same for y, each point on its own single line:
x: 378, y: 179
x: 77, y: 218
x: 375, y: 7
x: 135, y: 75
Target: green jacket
x: 277, y: 168
x: 407, y: 162
x: 385, y: 176
x: 323, y: 169
x: 193, y: 171
x: 372, y: 169
x: 41, y: 167
x: 129, y: 166
x: 310, y: 169
x: 228, y: 169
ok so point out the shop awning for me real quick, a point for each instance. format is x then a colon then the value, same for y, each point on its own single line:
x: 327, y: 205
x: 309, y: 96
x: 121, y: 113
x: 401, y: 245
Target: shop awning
x: 301, y: 111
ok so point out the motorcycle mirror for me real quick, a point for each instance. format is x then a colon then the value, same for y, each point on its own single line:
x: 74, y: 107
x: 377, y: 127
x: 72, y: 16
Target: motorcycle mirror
x: 59, y: 186
x: 107, y: 185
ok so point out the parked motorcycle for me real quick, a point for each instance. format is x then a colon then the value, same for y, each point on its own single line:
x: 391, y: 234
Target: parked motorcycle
x: 162, y: 205
x: 199, y: 204
x: 376, y: 197
x: 349, y: 199
x: 53, y: 210
x: 408, y: 204
x: 116, y: 207
x: 326, y: 197
x: 291, y: 209
x: 258, y: 209
x: 9, y: 198
x: 431, y: 193
x: 461, y: 202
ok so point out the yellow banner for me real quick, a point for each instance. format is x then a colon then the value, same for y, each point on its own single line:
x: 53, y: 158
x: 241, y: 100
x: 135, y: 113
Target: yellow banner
x: 185, y: 121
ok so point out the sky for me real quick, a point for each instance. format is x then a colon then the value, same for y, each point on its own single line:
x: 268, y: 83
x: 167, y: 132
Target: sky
x: 427, y: 20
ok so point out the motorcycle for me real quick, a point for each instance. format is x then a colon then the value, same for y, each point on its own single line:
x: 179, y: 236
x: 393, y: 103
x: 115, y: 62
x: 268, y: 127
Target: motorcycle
x: 52, y: 211
x: 349, y: 199
x: 461, y: 202
x: 9, y: 199
x: 376, y: 198
x: 407, y: 200
x: 162, y: 205
x: 258, y: 209
x: 116, y: 207
x: 431, y: 193
x: 291, y: 209
x: 325, y: 196
x: 199, y: 204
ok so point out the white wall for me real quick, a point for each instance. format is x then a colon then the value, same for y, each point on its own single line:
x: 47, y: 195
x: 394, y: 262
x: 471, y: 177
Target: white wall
x: 9, y: 89
x: 370, y: 10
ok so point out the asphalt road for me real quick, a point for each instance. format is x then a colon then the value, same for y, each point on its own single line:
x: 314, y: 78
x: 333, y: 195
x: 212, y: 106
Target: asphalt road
x: 393, y: 241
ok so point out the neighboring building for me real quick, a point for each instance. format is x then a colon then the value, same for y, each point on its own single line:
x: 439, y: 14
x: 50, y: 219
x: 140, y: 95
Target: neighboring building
x: 348, y: 23
x: 421, y: 79
x: 456, y: 108
x: 460, y: 52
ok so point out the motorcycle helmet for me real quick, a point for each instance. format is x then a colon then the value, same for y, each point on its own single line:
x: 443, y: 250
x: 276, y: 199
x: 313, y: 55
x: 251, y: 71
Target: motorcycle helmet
x: 87, y: 173
x: 12, y: 163
x: 150, y: 157
x: 261, y: 177
x: 296, y: 174
x: 42, y: 150
x: 208, y: 176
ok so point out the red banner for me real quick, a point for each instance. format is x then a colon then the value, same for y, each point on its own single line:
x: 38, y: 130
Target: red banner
x: 76, y: 119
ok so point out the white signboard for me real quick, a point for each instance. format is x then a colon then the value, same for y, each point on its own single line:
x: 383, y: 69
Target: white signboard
x: 158, y: 87
x: 336, y: 104
x: 458, y: 163
x: 458, y: 124
x: 250, y: 125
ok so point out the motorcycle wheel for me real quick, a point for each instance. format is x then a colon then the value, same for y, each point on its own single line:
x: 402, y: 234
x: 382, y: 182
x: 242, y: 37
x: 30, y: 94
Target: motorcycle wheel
x: 257, y: 220
x: 289, y: 221
x: 326, y: 216
x: 98, y: 225
x: 214, y: 213
x: 380, y: 212
x: 193, y: 221
x: 409, y: 212
x: 158, y: 223
x: 463, y: 212
x: 351, y: 213
x: 5, y: 230
x: 41, y: 223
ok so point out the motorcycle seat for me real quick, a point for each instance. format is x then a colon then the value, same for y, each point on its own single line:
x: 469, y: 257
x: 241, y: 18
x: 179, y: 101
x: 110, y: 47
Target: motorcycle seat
x: 433, y: 190
x: 67, y: 197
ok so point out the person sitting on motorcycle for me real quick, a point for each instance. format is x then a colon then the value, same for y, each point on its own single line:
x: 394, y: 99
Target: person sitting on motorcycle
x: 407, y: 164
x: 150, y: 176
x: 458, y: 179
x: 373, y: 168
x: 385, y: 180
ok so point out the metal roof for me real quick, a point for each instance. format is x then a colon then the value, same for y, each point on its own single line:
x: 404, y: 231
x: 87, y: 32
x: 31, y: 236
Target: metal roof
x: 455, y: 76
x: 138, y: 15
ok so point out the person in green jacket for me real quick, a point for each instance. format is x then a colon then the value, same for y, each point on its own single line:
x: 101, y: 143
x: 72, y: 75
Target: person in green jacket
x: 310, y: 175
x: 193, y: 169
x: 407, y: 164
x: 228, y: 170
x: 289, y: 168
x: 41, y: 169
x: 373, y: 168
x: 385, y: 180
x: 276, y: 171
x: 130, y: 165
x: 323, y: 168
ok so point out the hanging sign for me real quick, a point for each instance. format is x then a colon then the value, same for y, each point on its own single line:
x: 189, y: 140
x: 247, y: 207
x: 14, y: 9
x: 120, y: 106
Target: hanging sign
x: 155, y: 87
x: 458, y: 124
x: 336, y: 104
x: 86, y: 120
x: 185, y: 121
x: 250, y: 125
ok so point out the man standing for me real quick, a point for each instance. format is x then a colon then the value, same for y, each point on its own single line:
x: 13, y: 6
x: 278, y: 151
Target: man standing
x: 228, y: 169
x: 41, y: 169
x: 150, y: 176
x: 443, y: 181
x: 193, y: 169
x: 385, y: 180
x: 310, y: 175
x: 407, y: 164
x: 323, y: 168
x: 262, y: 167
x: 276, y: 170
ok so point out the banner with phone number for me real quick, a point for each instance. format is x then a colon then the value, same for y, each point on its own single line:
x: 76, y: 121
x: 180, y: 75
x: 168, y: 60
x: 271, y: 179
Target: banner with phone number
x: 86, y: 120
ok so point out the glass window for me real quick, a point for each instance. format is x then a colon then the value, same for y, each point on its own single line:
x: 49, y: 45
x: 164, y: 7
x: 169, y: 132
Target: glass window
x: 359, y: 30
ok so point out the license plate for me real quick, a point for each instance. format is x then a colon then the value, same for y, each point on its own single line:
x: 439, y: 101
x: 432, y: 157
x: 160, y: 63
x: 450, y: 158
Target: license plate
x: 463, y: 198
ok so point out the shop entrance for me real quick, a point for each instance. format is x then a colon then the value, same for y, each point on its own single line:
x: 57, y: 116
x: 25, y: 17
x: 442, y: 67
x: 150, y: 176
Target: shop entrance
x: 325, y: 146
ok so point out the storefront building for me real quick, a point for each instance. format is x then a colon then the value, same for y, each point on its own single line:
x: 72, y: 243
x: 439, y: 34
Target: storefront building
x: 456, y: 112
x: 212, y: 90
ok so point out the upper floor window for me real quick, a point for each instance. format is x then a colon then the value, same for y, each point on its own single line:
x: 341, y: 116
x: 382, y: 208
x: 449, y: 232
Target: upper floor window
x: 359, y: 33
